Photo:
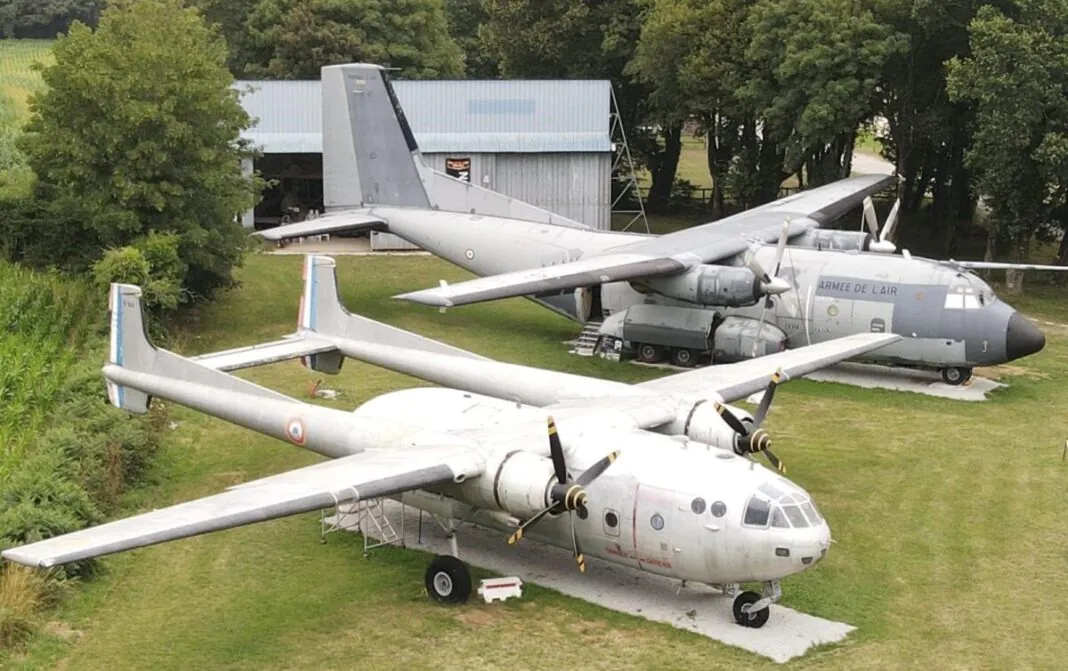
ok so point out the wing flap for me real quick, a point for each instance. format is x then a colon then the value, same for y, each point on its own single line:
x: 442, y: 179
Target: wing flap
x: 738, y: 380
x: 337, y: 222
x: 360, y: 476
x: 547, y: 280
x: 291, y: 347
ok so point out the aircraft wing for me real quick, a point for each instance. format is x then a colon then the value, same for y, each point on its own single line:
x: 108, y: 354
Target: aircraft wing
x: 550, y: 279
x: 992, y: 265
x: 335, y: 222
x: 668, y: 254
x: 739, y: 380
x: 365, y: 475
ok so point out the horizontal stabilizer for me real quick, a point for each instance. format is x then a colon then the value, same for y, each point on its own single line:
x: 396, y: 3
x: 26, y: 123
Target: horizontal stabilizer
x: 333, y: 223
x: 291, y: 347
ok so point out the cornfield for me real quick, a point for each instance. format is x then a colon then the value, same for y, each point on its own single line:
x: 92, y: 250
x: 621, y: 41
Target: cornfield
x: 17, y: 79
x: 44, y: 322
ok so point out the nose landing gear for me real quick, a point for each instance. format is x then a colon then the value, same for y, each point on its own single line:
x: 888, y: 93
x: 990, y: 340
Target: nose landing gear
x: 956, y: 376
x: 751, y: 609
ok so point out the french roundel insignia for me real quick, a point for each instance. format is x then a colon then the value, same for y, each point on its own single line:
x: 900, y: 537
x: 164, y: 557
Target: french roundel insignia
x: 295, y: 431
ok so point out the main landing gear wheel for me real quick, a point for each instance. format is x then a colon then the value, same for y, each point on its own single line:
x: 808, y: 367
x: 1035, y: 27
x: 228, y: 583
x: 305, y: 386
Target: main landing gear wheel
x: 650, y: 353
x: 683, y: 357
x: 747, y: 618
x: 956, y: 376
x: 448, y: 580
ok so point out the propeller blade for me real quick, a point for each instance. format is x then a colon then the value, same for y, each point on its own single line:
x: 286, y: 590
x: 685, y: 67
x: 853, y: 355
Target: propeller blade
x: 765, y: 403
x: 776, y: 463
x: 760, y: 326
x: 557, y: 452
x: 781, y: 247
x: 731, y: 420
x: 594, y: 472
x: 580, y: 558
x: 757, y: 269
x: 518, y: 535
x: 870, y: 218
x: 891, y: 222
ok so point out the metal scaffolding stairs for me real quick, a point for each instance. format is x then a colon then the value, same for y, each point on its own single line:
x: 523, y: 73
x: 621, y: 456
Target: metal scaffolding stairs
x: 368, y: 517
x: 624, y: 163
x: 589, y: 339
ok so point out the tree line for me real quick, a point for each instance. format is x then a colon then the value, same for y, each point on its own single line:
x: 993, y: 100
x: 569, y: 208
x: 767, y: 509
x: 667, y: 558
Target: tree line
x: 134, y: 144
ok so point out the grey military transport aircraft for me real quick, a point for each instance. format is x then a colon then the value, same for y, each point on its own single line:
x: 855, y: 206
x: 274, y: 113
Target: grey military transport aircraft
x: 826, y: 283
x: 657, y: 476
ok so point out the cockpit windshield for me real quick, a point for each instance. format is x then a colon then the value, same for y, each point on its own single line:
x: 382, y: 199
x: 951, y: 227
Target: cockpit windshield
x: 968, y: 291
x: 782, y: 509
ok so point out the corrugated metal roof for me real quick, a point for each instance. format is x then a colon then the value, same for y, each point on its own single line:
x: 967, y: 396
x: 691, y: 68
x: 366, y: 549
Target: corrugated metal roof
x: 476, y: 116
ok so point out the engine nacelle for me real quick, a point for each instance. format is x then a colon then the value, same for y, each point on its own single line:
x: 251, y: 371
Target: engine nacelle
x: 701, y: 423
x: 728, y: 286
x: 519, y: 484
x: 735, y: 337
x: 825, y: 238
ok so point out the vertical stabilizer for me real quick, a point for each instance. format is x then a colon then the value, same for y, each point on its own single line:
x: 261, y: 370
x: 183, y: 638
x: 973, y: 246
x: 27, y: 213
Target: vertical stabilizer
x: 321, y: 312
x: 361, y: 109
x: 130, y: 347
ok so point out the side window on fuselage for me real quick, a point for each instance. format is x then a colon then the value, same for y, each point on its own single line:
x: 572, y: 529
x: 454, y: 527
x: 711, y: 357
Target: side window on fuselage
x: 611, y: 522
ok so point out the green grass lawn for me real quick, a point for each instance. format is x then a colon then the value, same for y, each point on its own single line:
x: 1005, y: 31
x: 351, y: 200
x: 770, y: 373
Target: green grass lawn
x: 17, y: 79
x: 950, y: 537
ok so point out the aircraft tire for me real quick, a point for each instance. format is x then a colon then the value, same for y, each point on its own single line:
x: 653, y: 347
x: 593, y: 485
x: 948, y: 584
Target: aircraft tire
x: 956, y: 376
x: 752, y: 620
x: 650, y: 353
x: 447, y: 580
x: 686, y: 358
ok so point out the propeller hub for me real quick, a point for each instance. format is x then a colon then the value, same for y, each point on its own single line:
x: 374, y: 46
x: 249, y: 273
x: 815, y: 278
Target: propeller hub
x: 776, y: 285
x: 882, y: 246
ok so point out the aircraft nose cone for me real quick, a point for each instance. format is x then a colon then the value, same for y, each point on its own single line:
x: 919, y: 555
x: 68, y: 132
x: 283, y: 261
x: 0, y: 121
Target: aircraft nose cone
x: 1022, y: 338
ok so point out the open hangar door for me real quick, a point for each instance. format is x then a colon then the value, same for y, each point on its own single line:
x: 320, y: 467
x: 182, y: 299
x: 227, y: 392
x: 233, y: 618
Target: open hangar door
x: 295, y: 187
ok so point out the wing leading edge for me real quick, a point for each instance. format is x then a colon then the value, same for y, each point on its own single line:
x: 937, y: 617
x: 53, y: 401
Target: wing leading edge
x: 360, y: 476
x: 667, y: 254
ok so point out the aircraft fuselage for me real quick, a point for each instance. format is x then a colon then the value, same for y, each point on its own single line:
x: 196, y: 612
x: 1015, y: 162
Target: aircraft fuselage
x: 669, y: 508
x: 947, y: 317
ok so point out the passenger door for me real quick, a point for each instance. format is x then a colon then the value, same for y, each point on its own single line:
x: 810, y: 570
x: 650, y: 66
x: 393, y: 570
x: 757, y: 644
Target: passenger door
x: 655, y: 526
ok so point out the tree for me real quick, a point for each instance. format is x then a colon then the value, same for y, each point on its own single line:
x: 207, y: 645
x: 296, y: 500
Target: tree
x: 231, y: 17
x: 562, y: 39
x: 138, y: 130
x: 465, y: 17
x: 1017, y: 79
x: 44, y: 18
x: 293, y: 39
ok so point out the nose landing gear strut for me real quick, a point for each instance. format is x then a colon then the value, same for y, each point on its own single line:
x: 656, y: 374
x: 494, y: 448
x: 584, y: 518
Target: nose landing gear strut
x: 751, y: 609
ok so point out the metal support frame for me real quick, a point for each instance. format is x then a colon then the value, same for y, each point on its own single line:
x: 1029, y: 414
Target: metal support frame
x: 622, y: 156
x: 370, y: 516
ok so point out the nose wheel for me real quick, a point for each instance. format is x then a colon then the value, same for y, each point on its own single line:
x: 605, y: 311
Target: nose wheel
x: 752, y: 609
x: 956, y: 376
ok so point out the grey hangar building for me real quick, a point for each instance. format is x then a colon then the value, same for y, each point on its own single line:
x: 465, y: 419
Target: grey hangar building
x: 546, y: 142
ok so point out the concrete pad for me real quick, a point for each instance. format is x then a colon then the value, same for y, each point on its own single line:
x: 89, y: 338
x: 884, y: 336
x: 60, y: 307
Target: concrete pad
x: 697, y: 608
x: 873, y: 376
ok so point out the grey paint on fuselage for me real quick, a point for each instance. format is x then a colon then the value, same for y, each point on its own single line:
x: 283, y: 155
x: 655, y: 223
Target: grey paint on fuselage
x: 835, y: 293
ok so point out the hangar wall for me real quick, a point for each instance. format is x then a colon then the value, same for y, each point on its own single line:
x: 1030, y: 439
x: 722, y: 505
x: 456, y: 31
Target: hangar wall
x: 577, y: 186
x: 544, y: 142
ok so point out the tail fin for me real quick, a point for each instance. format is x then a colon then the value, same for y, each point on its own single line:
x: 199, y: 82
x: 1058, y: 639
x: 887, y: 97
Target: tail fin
x: 131, y: 351
x: 377, y: 145
x: 321, y: 312
x: 130, y: 347
x: 375, y: 141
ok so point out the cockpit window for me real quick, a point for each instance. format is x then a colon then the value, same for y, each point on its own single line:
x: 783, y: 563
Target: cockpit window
x: 757, y: 512
x: 778, y: 519
x: 811, y: 513
x: 796, y: 518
